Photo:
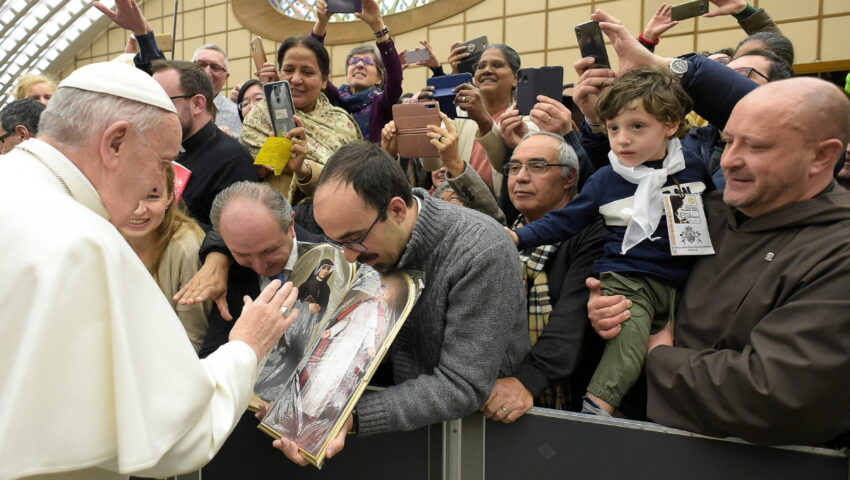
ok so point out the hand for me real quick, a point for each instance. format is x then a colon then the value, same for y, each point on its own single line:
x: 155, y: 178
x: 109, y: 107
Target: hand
x: 513, y: 127
x: 457, y: 54
x: 469, y: 99
x: 300, y: 148
x: 371, y: 15
x: 600, y: 16
x: 262, y: 323
x: 629, y: 50
x: 290, y: 449
x: 590, y: 85
x: 126, y: 15
x: 552, y: 116
x: 315, y: 308
x: 445, y: 139
x: 508, y: 393
x: 727, y: 7
x: 659, y: 23
x: 432, y: 61
x: 132, y: 45
x: 209, y: 282
x: 513, y: 235
x: 389, y: 140
x: 606, y: 313
x: 322, y: 18
x: 663, y: 337
x: 268, y: 73
x: 234, y: 93
x: 426, y: 94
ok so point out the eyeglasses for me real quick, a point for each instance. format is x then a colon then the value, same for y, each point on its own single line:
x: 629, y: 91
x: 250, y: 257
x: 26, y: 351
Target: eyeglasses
x: 249, y: 103
x: 357, y: 245
x: 214, y: 67
x: 7, y: 135
x: 534, y: 167
x: 175, y: 97
x: 493, y: 65
x: 748, y: 71
x: 365, y: 60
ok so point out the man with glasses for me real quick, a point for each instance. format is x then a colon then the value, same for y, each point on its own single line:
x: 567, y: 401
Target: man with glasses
x: 215, y: 159
x: 467, y: 328
x: 542, y: 176
x: 212, y: 59
x: 19, y: 122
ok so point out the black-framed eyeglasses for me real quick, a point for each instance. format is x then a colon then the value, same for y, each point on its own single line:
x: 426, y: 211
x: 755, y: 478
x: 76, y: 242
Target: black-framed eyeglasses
x: 175, y: 97
x: 749, y: 71
x: 357, y: 245
x: 214, y: 67
x: 7, y: 135
x: 534, y: 167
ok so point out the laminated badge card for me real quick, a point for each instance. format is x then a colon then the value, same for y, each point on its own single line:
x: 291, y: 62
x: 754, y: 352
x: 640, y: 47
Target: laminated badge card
x: 316, y: 401
x: 322, y: 276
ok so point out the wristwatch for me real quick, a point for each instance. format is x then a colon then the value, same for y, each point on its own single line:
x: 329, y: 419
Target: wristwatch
x: 679, y: 67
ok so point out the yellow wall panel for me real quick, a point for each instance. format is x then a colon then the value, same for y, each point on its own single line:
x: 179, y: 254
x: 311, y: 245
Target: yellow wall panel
x: 100, y: 45
x: 524, y: 6
x: 675, y: 46
x: 415, y: 78
x: 567, y: 3
x: 626, y: 12
x: 836, y: 6
x: 238, y: 45
x: 714, y: 41
x: 441, y: 39
x: 835, y: 38
x: 533, y: 60
x: 215, y: 19
x: 152, y: 8
x: 491, y: 28
x: 117, y: 39
x: 788, y: 9
x: 804, y: 37
x: 192, y: 4
x: 565, y: 58
x: 193, y: 24
x: 241, y: 70
x: 486, y: 9
x: 214, y: 2
x: 525, y: 32
x: 561, y: 26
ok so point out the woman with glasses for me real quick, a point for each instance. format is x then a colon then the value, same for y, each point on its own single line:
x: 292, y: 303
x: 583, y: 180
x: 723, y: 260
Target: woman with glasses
x: 250, y: 94
x: 373, y: 80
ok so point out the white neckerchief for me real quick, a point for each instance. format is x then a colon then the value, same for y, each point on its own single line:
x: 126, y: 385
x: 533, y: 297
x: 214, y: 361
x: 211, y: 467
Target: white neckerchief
x: 647, y: 205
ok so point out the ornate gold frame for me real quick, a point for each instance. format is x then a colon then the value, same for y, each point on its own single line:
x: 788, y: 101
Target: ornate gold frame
x: 261, y: 18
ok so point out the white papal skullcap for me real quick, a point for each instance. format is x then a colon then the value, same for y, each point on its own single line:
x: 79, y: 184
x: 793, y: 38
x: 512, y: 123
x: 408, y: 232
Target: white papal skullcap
x: 120, y: 80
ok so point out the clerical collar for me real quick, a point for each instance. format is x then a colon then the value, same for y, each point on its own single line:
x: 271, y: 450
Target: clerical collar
x: 200, y: 137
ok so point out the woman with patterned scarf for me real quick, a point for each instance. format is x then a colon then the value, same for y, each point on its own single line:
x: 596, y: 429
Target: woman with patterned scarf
x: 374, y: 82
x: 305, y: 64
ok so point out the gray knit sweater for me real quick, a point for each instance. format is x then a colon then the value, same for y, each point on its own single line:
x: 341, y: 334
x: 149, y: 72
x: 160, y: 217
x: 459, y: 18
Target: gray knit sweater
x: 468, y: 328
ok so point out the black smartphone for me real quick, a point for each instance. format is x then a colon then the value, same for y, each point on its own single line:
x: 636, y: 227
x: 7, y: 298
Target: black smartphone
x: 591, y: 43
x: 443, y: 86
x: 532, y: 82
x: 689, y: 10
x: 281, y: 108
x: 345, y: 6
x: 475, y: 47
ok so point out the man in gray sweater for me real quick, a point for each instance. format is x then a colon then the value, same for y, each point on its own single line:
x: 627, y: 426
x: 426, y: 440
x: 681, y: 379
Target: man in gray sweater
x: 469, y: 326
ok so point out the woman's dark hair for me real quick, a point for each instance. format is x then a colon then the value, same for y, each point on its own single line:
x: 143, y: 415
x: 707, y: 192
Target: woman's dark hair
x: 241, y: 96
x: 773, y: 41
x: 322, y: 56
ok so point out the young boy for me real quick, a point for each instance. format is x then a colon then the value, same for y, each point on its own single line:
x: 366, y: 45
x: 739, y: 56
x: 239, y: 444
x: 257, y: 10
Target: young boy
x: 643, y: 113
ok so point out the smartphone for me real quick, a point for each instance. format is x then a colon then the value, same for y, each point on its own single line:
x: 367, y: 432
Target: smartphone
x: 417, y: 55
x: 443, y: 86
x: 411, y: 123
x: 532, y: 82
x: 258, y: 52
x: 475, y: 47
x: 689, y: 10
x: 281, y: 108
x: 591, y: 43
x: 345, y: 6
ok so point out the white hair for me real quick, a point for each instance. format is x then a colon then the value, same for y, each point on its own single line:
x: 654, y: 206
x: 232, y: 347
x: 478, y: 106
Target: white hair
x: 214, y: 47
x: 566, y: 156
x: 74, y: 116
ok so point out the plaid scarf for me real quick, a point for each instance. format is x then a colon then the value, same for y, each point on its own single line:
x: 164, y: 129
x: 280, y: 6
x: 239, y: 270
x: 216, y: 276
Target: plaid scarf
x: 534, y: 262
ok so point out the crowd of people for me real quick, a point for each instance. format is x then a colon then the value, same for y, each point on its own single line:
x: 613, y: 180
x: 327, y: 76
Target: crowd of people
x: 666, y: 242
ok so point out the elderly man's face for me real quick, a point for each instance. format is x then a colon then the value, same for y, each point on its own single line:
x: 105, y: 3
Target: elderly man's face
x: 535, y: 194
x: 139, y: 167
x: 766, y: 159
x: 255, y: 238
x: 212, y: 62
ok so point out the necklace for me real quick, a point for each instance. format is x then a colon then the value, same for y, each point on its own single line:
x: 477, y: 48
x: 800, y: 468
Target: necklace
x: 49, y: 168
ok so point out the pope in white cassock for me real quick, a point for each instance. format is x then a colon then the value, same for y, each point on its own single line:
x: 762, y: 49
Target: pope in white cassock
x: 97, y: 378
